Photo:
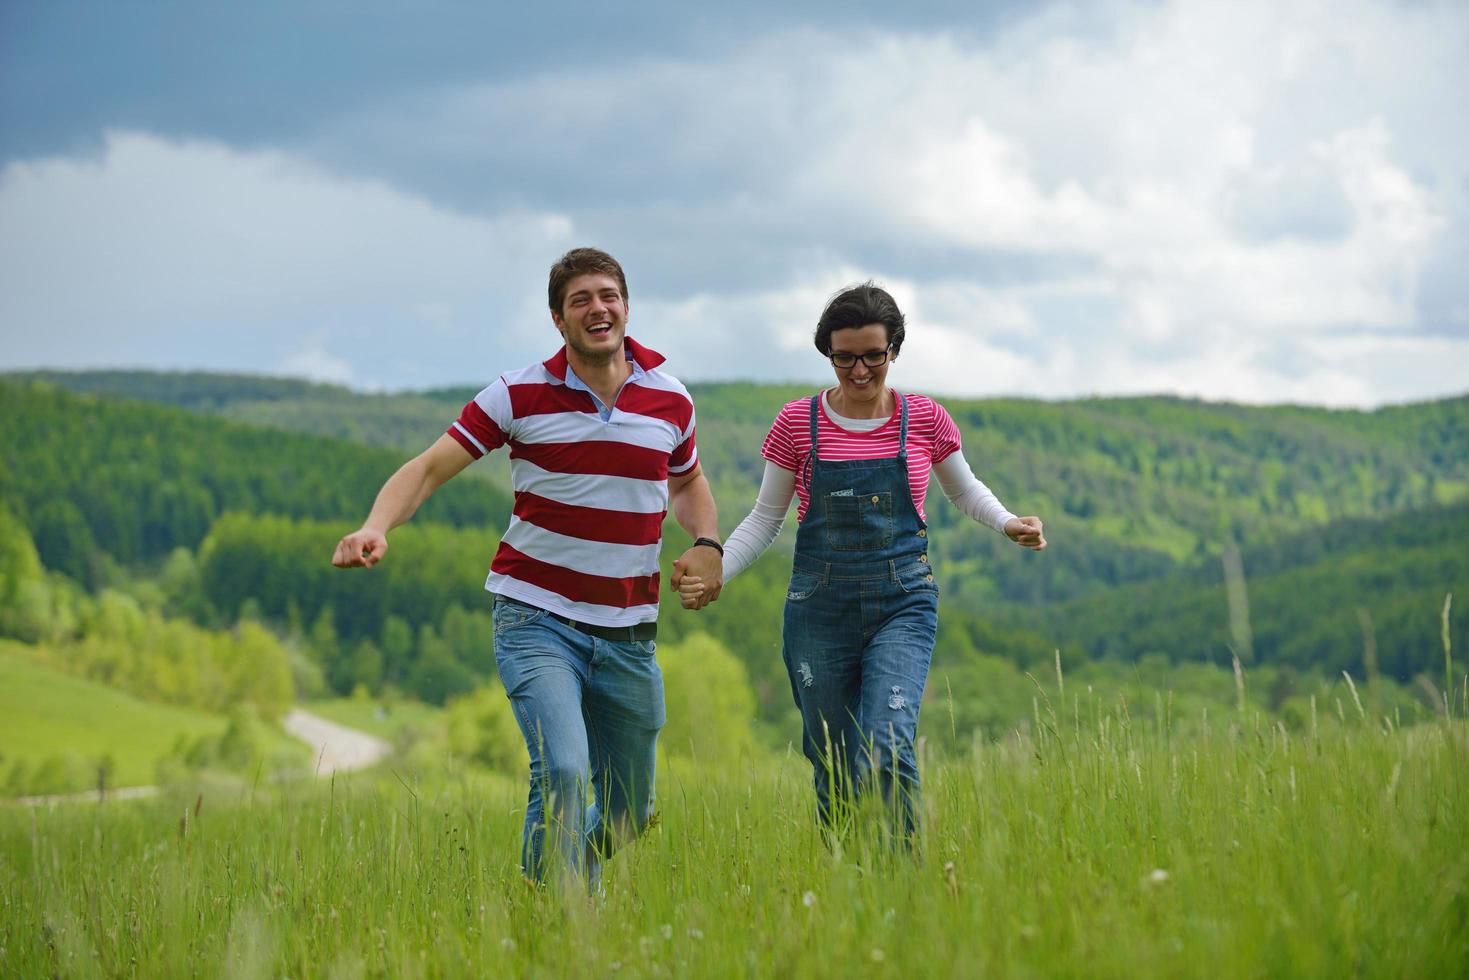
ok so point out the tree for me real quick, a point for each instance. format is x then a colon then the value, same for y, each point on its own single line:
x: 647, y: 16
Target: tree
x: 437, y: 678
x: 481, y: 727
x: 710, y: 705
x: 322, y: 642
x: 363, y: 667
x: 397, y: 649
x: 64, y: 541
x: 20, y: 570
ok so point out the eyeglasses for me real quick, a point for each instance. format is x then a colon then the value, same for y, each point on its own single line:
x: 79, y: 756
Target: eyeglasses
x: 873, y: 358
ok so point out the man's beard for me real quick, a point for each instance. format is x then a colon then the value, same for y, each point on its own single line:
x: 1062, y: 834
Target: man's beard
x: 598, y: 358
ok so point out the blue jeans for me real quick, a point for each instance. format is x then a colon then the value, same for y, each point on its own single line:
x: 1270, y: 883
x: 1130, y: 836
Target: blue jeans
x: 590, y: 710
x: 858, y: 642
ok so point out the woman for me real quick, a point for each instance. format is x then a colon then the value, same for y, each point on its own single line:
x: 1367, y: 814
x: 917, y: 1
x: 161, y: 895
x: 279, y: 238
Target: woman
x: 862, y: 609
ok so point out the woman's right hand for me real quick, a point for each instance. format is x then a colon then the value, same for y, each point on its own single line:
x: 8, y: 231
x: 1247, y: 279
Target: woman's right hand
x: 690, y: 589
x: 1028, y: 532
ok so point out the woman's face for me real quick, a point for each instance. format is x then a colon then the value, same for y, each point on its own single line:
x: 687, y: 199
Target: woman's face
x: 861, y: 383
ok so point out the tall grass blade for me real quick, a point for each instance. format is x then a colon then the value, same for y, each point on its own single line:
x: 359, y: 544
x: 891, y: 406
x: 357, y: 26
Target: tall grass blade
x: 1448, y: 657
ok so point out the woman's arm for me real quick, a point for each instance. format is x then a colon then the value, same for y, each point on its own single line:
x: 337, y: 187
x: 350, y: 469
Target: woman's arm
x: 966, y: 492
x: 977, y: 501
x: 755, y: 533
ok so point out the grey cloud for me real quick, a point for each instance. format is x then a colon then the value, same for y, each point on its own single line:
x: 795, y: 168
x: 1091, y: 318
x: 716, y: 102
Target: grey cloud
x: 653, y: 133
x: 695, y: 173
x: 724, y: 156
x: 259, y: 74
x: 1443, y: 287
x: 994, y: 267
x: 1306, y: 204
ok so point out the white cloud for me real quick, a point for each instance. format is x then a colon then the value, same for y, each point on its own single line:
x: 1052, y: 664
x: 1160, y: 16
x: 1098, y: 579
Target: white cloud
x: 1228, y: 200
x: 1132, y: 149
x: 311, y: 361
x: 1148, y: 199
x: 194, y: 254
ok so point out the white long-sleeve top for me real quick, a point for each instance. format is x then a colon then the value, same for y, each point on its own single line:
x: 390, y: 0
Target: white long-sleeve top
x: 762, y: 525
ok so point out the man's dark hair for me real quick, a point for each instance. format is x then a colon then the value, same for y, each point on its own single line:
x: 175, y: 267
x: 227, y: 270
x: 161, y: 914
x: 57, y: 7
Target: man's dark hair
x: 581, y: 262
x: 858, y: 306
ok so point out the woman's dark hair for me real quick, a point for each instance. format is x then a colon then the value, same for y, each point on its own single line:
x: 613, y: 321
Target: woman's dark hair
x: 858, y: 306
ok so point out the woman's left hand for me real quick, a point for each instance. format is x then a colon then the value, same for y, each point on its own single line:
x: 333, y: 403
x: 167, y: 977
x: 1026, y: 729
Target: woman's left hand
x: 1028, y: 532
x: 690, y: 592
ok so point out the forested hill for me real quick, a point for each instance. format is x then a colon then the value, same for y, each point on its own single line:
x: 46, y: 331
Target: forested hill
x: 1352, y: 526
x: 90, y: 475
x: 404, y: 421
x: 1316, y: 599
x: 1131, y: 488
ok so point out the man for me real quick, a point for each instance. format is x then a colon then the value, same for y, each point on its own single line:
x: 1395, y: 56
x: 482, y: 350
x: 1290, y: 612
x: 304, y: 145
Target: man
x: 601, y: 447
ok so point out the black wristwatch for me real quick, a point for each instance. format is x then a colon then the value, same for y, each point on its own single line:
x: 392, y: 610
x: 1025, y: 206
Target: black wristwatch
x: 710, y: 542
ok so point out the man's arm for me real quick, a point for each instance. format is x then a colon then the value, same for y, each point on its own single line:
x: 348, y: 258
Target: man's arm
x: 692, y: 503
x: 400, y: 497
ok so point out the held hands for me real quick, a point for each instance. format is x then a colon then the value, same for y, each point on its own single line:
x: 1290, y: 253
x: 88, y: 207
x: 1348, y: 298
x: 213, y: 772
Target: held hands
x: 691, y: 592
x: 1026, y: 532
x: 698, y: 575
x: 361, y: 549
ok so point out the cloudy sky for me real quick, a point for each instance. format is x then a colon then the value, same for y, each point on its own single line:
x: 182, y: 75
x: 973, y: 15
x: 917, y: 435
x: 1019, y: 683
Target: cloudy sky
x: 1261, y: 200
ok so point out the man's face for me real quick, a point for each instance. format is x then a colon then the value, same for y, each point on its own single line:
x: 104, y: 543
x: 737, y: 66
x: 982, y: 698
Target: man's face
x: 593, y: 317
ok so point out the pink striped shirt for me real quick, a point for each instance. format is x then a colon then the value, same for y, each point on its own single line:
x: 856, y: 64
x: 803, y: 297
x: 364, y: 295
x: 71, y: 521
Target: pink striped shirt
x: 932, y: 438
x: 590, y: 492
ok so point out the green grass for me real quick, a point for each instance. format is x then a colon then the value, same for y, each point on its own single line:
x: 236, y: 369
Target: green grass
x: 1099, y: 848
x: 47, y: 714
x: 376, y: 718
x: 44, y: 712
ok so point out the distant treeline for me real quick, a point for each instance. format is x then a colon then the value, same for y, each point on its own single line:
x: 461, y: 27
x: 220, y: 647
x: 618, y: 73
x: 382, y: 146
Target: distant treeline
x: 1135, y: 489
x: 1352, y: 527
x: 1327, y: 599
x: 133, y: 481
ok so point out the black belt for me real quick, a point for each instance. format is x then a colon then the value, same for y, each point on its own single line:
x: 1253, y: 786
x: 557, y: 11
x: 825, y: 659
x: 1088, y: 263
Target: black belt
x: 636, y: 633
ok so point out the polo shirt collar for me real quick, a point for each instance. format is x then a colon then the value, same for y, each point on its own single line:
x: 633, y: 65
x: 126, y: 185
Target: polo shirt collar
x: 643, y: 359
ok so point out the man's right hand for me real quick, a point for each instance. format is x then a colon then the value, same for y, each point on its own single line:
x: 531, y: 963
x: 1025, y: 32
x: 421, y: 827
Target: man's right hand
x: 362, y: 548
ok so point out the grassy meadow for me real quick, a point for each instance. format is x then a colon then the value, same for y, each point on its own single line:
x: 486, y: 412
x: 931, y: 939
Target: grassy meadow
x: 53, y: 721
x: 1225, y: 788
x: 1095, y: 847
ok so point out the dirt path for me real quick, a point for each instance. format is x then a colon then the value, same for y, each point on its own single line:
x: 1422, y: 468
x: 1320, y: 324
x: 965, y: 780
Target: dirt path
x: 336, y: 748
x: 88, y: 796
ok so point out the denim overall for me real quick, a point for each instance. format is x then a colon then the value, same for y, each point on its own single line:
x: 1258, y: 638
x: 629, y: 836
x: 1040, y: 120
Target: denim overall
x: 860, y: 619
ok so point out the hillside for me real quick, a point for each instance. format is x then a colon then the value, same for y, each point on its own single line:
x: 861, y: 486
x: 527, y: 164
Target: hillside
x: 1317, y: 600
x: 135, y: 480
x: 57, y: 729
x: 1132, y: 489
x: 1334, y: 511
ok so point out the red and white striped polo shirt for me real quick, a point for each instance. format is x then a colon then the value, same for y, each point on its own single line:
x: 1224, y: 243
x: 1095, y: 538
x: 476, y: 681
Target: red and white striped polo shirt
x: 590, y: 494
x: 932, y: 438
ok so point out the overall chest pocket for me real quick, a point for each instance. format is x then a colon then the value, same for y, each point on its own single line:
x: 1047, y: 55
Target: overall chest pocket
x: 859, y: 522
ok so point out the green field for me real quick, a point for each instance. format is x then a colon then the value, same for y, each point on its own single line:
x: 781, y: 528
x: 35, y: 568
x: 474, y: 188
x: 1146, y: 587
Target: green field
x: 49, y: 715
x: 1219, y: 793
x: 44, y: 712
x: 1099, y: 848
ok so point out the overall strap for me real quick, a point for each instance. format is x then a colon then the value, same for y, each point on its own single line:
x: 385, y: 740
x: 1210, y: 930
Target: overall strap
x: 902, y: 424
x: 810, y: 463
